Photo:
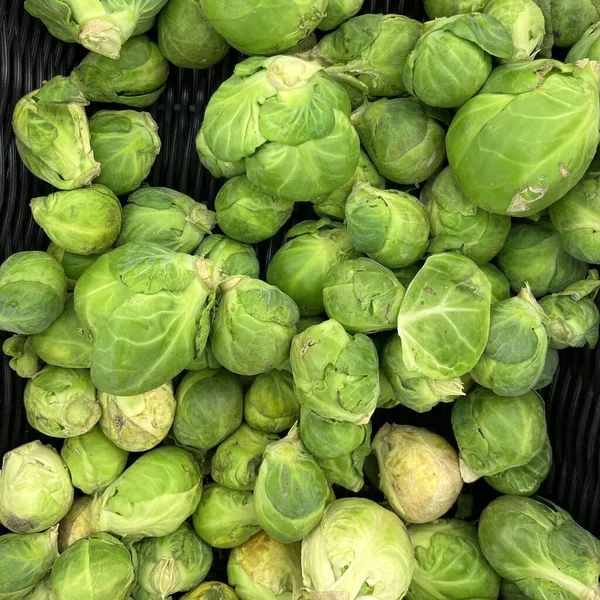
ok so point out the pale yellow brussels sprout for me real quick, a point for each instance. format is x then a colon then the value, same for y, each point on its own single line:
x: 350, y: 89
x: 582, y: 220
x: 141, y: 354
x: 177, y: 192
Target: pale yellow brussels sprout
x: 76, y: 524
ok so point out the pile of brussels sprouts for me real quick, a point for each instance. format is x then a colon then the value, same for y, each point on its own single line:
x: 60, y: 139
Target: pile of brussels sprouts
x: 206, y: 411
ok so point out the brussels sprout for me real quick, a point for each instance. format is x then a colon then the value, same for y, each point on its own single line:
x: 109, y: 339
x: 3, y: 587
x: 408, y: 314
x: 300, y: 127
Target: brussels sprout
x: 24, y: 560
x: 449, y: 8
x: 165, y: 217
x: 291, y: 490
x: 43, y: 591
x: 533, y: 254
x: 152, y: 498
x: 24, y: 360
x: 248, y: 312
x: 74, y: 265
x: 539, y: 547
x: 576, y: 219
x: 76, y: 524
x: 540, y: 101
x: 96, y: 567
x: 449, y: 563
x: 498, y: 281
x: 211, y: 590
x: 336, y: 375
x: 53, y: 136
x: 448, y: 294
x: 587, y: 46
x: 459, y: 226
x: 33, y: 290
x: 418, y: 392
x: 419, y: 472
x: 288, y: 119
x: 360, y: 549
x: 230, y: 256
x: 138, y: 423
x: 137, y: 78
x: 35, y: 488
x: 496, y: 433
x: 549, y: 370
x: 247, y: 214
x: 300, y: 266
x: 217, y: 168
x: 209, y: 408
x: 148, y: 310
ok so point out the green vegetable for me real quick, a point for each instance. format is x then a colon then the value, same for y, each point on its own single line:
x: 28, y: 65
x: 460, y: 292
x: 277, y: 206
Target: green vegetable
x: 76, y: 524
x: 339, y: 11
x: 449, y: 8
x: 211, y: 590
x: 347, y: 470
x: 217, y: 168
x: 74, y: 265
x: 24, y: 359
x: 498, y: 281
x: 43, y: 591
x: 586, y: 47
x: 230, y: 256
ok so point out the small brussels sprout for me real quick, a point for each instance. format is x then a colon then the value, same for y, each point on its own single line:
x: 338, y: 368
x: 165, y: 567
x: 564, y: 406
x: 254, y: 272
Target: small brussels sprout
x: 74, y: 265
x: 138, y: 423
x: 35, y: 488
x: 405, y: 143
x: 53, y: 135
x: 24, y: 359
x: 230, y: 256
x: 33, y: 291
x: 587, y: 46
x: 152, y: 498
x: 76, y: 524
x: 449, y: 563
x: 248, y: 312
x: 211, y: 590
x: 43, y: 590
x: 209, y: 408
x: 126, y: 144
x: 226, y: 518
x: 217, y: 168
x: 498, y: 281
x: 287, y: 465
x: 495, y: 433
x: 337, y: 12
x: 419, y: 472
x: 336, y: 375
x: 449, y: 8
x: 358, y: 549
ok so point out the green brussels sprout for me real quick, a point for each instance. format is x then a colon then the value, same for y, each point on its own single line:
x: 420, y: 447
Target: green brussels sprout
x: 549, y: 370
x: 35, y: 488
x: 264, y: 569
x: 248, y: 312
x: 390, y: 226
x: 498, y: 281
x: 148, y: 311
x: 152, y: 498
x: 495, y: 433
x: 24, y: 360
x: 337, y: 12
x: 291, y: 491
x: 165, y: 217
x: 138, y: 423
x: 24, y: 561
x: 96, y: 567
x: 419, y: 472
x: 300, y: 266
x: 76, y: 524
x: 209, y: 408
x: 492, y: 165
x: 230, y: 256
x: 43, y: 591
x: 217, y: 168
x: 449, y: 8
x: 418, y: 392
x: 448, y: 294
x: 288, y: 119
x: 575, y: 217
x: 270, y: 403
x: 74, y: 265
x: 336, y: 375
x: 211, y: 590
x: 85, y: 221
x: 137, y: 78
x: 587, y: 46
x: 360, y: 549
x: 247, y: 214
x: 533, y: 254
x: 61, y: 402
x: 449, y: 563
x: 33, y: 291
x: 459, y: 226
x: 53, y: 135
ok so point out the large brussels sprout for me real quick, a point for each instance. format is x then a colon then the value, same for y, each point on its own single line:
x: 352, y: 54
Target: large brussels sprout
x: 288, y: 119
x: 148, y: 311
x: 538, y: 547
x: 291, y: 491
x: 459, y: 226
x: 211, y: 590
x: 336, y: 375
x: 498, y: 281
x: 496, y: 433
x: 76, y: 524
x: 300, y: 266
x: 359, y: 550
x: 449, y: 563
x: 533, y: 254
x: 247, y: 214
x: 447, y: 295
x: 217, y: 168
x: 539, y: 100
x: 230, y: 256
x: 419, y: 472
x: 33, y: 291
x: 35, y: 488
x: 53, y: 135
x: 587, y: 46
x: 402, y: 138
x: 250, y: 311
x: 152, y: 498
x: 449, y: 8
x: 24, y: 359
x: 74, y: 265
